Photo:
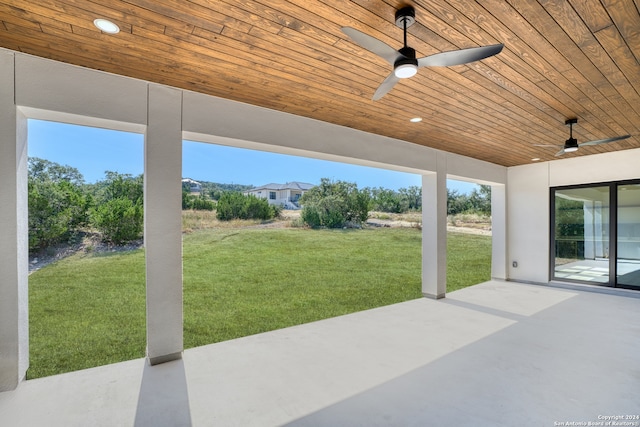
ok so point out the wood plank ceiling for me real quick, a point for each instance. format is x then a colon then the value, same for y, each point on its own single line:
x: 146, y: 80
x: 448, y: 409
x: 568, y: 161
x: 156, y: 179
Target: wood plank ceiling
x: 562, y: 59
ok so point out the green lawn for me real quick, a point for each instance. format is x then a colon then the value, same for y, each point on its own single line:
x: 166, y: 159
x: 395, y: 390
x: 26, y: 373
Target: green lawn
x: 90, y: 310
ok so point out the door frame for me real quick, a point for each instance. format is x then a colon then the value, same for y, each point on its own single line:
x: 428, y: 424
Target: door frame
x: 613, y: 231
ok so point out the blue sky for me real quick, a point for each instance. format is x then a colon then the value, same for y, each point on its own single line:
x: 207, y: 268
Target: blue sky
x: 93, y: 151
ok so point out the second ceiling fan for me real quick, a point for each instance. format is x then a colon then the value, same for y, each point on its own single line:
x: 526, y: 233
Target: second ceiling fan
x: 404, y: 61
x: 571, y: 144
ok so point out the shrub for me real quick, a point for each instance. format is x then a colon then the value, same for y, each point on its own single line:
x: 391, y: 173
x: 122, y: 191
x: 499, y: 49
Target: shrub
x: 202, y: 204
x: 233, y: 205
x: 119, y: 220
x: 119, y: 214
x: 255, y: 208
x: 276, y: 210
x: 199, y: 203
x: 335, y: 204
x: 229, y: 206
x: 48, y: 220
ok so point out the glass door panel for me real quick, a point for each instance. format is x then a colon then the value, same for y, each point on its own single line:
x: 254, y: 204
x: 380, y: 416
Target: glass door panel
x: 628, y: 249
x: 582, y: 234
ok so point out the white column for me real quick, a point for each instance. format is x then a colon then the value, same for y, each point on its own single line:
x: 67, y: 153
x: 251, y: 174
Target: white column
x: 499, y: 232
x: 14, y: 243
x: 434, y: 231
x: 163, y: 223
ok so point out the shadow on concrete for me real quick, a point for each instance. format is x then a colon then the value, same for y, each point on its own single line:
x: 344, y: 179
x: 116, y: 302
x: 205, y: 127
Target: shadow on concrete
x: 544, y: 368
x: 164, y: 397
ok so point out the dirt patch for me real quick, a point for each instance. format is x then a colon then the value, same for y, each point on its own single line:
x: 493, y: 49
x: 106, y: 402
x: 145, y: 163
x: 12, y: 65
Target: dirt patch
x: 85, y: 243
x: 470, y: 230
x: 392, y: 223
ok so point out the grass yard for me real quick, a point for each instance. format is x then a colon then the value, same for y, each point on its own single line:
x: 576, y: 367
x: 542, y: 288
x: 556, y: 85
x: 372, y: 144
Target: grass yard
x: 86, y: 311
x: 256, y: 280
x: 89, y: 310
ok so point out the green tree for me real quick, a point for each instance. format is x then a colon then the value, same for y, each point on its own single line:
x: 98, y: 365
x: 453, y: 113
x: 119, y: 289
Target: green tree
x: 385, y: 200
x: 480, y: 200
x: 335, y: 204
x: 123, y: 186
x: 58, y: 207
x: 456, y: 202
x: 46, y: 170
x: 119, y: 213
x: 412, y: 197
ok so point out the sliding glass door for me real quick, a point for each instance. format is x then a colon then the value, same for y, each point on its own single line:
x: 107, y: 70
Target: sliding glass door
x: 595, y: 234
x: 582, y: 234
x: 628, y: 251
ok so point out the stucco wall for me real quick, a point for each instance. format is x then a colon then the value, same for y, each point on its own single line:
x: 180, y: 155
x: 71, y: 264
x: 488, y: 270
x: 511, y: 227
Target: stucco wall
x: 528, y: 222
x: 528, y: 204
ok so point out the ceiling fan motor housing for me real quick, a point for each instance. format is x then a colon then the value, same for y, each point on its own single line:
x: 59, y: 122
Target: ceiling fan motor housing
x: 405, y: 16
x: 571, y: 144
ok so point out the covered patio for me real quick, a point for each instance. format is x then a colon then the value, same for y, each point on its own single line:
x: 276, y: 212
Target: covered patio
x: 496, y: 353
x: 286, y: 78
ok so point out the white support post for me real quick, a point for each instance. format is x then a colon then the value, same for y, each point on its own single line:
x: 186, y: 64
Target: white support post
x: 163, y: 223
x: 499, y: 232
x: 14, y: 243
x: 434, y: 231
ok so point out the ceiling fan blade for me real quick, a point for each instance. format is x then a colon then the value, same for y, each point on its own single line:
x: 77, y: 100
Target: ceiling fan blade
x: 604, y: 141
x: 372, y: 44
x: 385, y: 86
x: 548, y: 145
x: 459, y: 57
x: 560, y: 153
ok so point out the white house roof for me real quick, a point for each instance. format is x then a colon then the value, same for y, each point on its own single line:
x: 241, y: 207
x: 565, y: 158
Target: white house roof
x: 190, y: 181
x: 295, y: 185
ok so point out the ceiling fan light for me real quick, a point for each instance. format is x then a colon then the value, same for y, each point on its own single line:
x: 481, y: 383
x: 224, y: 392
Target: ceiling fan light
x: 404, y: 71
x: 570, y: 145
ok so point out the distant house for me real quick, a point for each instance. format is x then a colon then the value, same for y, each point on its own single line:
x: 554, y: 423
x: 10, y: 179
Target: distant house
x: 285, y: 195
x: 191, y: 185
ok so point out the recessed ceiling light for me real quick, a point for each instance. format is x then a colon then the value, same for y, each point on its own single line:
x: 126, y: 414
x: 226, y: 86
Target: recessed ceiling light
x: 535, y: 159
x: 106, y: 26
x: 415, y: 120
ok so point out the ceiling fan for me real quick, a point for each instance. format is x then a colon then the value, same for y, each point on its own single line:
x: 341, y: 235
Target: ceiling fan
x: 404, y: 61
x: 571, y: 144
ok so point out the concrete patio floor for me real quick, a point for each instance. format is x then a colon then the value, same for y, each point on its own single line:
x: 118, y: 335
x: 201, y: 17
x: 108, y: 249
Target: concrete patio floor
x: 495, y: 354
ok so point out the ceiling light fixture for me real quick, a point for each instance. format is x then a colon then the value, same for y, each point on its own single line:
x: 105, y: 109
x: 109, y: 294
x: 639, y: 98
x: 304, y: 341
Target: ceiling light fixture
x: 570, y: 145
x: 415, y: 120
x: 406, y: 70
x: 535, y: 159
x: 106, y: 26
